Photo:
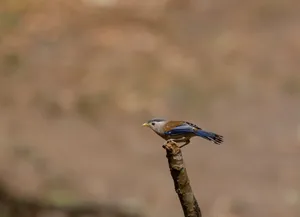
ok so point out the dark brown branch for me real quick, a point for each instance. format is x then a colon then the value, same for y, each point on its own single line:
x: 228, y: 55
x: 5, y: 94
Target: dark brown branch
x: 180, y: 177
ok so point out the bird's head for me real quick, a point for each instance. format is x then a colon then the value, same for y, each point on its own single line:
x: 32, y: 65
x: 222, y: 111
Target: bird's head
x: 155, y: 124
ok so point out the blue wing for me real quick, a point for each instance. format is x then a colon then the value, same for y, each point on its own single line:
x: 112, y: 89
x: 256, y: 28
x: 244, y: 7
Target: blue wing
x: 181, y: 129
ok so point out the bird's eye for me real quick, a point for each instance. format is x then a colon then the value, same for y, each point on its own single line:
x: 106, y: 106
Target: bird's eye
x: 153, y: 124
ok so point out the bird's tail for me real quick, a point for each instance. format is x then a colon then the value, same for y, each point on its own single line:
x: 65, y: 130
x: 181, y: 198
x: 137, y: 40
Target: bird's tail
x: 215, y: 138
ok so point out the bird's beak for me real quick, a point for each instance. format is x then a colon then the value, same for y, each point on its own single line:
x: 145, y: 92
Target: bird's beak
x: 145, y: 124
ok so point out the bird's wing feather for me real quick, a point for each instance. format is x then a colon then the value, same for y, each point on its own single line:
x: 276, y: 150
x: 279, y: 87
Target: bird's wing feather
x: 178, y: 127
x: 172, y: 124
x: 193, y: 125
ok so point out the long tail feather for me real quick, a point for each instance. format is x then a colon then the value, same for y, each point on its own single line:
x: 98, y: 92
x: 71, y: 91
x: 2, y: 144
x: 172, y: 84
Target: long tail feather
x: 215, y: 138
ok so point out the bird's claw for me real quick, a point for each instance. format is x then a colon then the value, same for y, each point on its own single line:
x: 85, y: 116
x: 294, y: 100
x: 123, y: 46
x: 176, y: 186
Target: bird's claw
x: 173, y: 141
x: 170, y: 140
x: 167, y: 142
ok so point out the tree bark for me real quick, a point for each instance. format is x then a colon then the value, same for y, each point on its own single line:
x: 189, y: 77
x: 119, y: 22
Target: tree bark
x: 180, y: 177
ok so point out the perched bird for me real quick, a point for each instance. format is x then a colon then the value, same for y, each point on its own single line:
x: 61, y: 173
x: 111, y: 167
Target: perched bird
x: 181, y: 131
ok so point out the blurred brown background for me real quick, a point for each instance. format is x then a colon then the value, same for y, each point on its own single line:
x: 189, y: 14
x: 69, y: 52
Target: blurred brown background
x: 79, y: 77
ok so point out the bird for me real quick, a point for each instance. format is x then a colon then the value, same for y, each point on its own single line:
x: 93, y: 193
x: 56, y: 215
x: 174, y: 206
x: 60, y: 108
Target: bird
x: 181, y: 131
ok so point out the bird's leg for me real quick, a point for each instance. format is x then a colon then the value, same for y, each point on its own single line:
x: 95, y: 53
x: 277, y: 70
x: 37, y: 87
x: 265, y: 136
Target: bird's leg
x: 167, y: 141
x: 186, y: 143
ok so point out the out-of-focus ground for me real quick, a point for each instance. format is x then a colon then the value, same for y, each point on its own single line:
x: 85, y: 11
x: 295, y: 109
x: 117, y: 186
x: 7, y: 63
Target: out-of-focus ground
x: 78, y: 78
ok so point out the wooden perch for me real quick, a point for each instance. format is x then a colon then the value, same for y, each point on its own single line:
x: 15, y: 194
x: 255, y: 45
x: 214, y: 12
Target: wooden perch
x: 180, y: 177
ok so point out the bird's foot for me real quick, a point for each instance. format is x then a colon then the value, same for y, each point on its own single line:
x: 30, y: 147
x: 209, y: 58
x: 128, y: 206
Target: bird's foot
x: 167, y: 142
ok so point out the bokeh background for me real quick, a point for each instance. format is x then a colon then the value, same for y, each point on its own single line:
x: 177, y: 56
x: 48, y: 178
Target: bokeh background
x: 79, y: 77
